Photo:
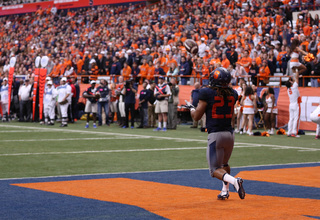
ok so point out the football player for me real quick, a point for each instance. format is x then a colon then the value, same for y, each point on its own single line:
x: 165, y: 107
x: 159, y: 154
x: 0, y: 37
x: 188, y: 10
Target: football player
x: 217, y: 101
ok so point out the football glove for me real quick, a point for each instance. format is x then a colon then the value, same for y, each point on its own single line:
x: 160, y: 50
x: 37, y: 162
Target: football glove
x: 189, y: 106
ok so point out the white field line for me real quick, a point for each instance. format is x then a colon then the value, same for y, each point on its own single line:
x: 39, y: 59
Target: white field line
x: 105, y: 151
x: 156, y: 171
x: 22, y: 131
x: 69, y: 139
x: 142, y: 150
x: 161, y: 137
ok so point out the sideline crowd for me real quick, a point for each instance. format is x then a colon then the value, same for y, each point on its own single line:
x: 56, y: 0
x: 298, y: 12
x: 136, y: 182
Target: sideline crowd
x: 250, y: 38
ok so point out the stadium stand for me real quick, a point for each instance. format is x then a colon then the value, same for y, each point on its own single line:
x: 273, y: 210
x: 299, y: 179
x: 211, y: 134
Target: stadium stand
x: 79, y: 38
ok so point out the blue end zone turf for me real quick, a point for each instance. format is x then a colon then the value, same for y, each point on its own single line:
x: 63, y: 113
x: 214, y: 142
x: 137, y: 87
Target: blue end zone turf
x: 23, y: 203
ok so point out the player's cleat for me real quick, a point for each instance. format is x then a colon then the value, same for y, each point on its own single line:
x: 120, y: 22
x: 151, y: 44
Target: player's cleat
x: 164, y: 129
x: 124, y: 127
x: 132, y: 127
x: 241, y: 131
x: 293, y: 135
x: 271, y: 131
x: 157, y: 129
x: 238, y: 185
x: 223, y: 195
x: 94, y: 126
x: 317, y: 137
x: 87, y: 126
x: 64, y: 125
x: 236, y: 130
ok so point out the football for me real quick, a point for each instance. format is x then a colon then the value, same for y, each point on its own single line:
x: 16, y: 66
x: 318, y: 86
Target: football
x: 191, y: 46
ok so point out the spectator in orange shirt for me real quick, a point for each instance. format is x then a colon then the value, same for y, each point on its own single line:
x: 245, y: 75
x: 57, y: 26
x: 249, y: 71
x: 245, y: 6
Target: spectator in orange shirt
x: 306, y: 29
x: 264, y: 72
x: 151, y: 71
x: 79, y: 63
x: 143, y: 71
x: 169, y: 62
x: 207, y: 56
x: 214, y: 60
x: 126, y: 71
x: 205, y: 73
x: 225, y: 62
x: 246, y: 61
x: 55, y: 73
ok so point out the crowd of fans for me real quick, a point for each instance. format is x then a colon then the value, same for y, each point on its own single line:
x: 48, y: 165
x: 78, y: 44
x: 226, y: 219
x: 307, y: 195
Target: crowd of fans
x: 250, y: 38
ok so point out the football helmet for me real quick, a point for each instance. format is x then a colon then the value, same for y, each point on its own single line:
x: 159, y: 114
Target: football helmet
x: 220, y: 77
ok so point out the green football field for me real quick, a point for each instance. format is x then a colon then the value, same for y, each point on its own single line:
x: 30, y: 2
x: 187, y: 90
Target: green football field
x: 33, y: 150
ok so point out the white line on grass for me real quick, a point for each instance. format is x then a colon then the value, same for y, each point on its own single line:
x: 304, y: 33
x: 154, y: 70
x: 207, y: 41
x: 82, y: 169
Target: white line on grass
x: 22, y: 131
x: 107, y: 133
x: 70, y: 139
x: 104, y: 151
x: 156, y: 171
x: 161, y: 137
x: 137, y: 150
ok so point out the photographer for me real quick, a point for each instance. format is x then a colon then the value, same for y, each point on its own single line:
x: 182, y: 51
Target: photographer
x: 129, y: 92
x: 143, y: 105
x: 173, y: 102
x: 103, y: 101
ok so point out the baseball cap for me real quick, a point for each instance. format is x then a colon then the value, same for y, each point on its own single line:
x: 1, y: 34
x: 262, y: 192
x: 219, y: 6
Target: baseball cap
x: 93, y: 82
x: 49, y: 82
x: 64, y: 79
x: 48, y: 78
x: 161, y: 77
x: 5, y: 79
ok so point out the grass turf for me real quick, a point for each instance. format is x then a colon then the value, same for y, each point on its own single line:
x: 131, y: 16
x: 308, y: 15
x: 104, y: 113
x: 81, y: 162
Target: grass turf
x: 31, y: 150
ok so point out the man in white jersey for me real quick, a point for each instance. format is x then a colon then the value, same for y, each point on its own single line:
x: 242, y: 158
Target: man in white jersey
x: 64, y: 91
x: 315, y: 117
x: 294, y: 107
x: 4, y: 99
x: 49, y: 103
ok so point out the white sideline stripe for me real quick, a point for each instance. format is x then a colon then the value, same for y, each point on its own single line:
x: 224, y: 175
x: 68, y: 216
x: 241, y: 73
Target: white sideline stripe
x: 22, y: 131
x: 161, y: 137
x: 69, y: 139
x: 104, y: 151
x: 156, y: 171
x: 141, y: 150
x: 105, y: 133
x: 277, y: 147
